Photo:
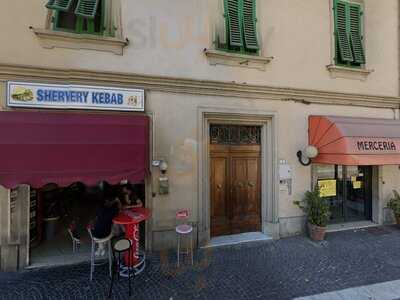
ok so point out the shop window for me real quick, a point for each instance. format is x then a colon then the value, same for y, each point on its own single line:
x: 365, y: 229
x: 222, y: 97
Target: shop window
x: 78, y: 16
x: 348, y: 189
x: 240, y: 32
x: 349, y: 47
x: 54, y: 210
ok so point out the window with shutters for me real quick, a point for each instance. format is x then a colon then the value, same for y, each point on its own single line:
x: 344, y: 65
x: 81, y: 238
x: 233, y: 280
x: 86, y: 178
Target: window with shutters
x: 83, y: 24
x: 78, y: 16
x: 349, y: 46
x: 240, y: 26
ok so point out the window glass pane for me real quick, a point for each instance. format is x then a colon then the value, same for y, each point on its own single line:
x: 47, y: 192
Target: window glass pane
x: 330, y: 180
x: 85, y: 25
x: 357, y: 192
x: 325, y: 171
x: 352, y: 171
x: 98, y: 22
x: 67, y: 19
x: 348, y: 190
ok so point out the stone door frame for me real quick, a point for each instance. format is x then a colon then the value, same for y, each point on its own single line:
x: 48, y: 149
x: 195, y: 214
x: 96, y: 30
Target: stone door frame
x: 268, y: 121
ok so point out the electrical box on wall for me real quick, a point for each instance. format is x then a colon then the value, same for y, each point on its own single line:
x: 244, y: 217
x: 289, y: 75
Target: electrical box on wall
x: 285, y: 172
x: 163, y: 186
x: 285, y: 176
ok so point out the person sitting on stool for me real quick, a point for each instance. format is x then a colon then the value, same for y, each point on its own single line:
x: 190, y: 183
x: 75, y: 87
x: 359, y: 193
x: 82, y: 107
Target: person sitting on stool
x: 103, y: 223
x: 129, y: 197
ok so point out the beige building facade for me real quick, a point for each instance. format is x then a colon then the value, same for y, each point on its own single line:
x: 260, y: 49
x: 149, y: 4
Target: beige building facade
x: 172, y: 50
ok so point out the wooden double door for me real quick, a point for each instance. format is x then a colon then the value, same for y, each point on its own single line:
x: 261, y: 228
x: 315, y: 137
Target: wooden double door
x: 235, y: 186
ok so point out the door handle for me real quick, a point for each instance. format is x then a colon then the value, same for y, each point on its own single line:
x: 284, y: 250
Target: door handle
x: 219, y: 186
x: 251, y: 184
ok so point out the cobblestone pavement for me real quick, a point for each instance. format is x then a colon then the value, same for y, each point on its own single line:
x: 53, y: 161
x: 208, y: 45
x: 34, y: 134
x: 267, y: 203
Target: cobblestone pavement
x: 281, y: 269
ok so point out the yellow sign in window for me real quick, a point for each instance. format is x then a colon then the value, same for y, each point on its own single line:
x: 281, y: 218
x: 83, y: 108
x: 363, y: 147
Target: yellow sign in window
x: 327, y: 188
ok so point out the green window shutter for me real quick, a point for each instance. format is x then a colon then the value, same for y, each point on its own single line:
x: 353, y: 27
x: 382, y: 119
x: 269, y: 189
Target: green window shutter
x: 341, y: 32
x: 234, y: 25
x: 50, y: 4
x: 355, y: 33
x: 87, y: 8
x: 249, y: 24
x: 63, y: 5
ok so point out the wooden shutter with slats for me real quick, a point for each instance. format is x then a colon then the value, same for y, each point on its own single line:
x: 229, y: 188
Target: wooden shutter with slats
x: 87, y: 8
x: 234, y: 25
x: 355, y: 33
x: 63, y: 5
x: 249, y: 24
x: 50, y: 4
x: 342, y: 37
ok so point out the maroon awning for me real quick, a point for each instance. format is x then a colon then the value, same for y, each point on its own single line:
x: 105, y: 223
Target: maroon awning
x: 37, y: 148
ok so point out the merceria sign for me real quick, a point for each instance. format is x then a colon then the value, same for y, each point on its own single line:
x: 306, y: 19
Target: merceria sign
x: 23, y: 94
x: 376, y: 145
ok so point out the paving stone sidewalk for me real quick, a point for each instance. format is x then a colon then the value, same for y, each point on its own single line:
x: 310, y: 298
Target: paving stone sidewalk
x: 282, y: 269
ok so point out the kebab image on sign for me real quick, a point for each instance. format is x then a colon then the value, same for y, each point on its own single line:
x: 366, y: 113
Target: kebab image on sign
x: 22, y: 94
x: 133, y: 101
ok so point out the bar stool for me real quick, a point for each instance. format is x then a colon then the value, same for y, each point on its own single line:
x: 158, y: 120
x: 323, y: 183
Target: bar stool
x: 96, y: 241
x: 76, y: 242
x: 119, y: 249
x: 183, y: 229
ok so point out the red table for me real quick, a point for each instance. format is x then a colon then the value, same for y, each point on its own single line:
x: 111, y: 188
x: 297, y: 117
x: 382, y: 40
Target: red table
x: 131, y: 218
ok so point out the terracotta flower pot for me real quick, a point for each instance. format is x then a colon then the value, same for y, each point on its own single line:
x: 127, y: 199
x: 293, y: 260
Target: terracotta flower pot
x: 315, y: 232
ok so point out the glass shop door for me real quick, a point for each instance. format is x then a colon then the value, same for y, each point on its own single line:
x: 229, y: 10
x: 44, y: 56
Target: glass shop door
x: 357, y: 193
x: 348, y: 190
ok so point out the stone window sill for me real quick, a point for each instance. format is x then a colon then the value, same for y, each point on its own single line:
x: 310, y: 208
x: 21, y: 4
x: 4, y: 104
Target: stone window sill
x: 50, y: 39
x: 218, y: 57
x: 348, y: 73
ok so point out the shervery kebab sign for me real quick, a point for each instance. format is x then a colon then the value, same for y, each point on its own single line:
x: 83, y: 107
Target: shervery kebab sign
x: 37, y: 95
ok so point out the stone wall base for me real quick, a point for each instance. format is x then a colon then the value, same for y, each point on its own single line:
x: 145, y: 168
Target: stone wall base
x: 291, y: 226
x: 9, y: 255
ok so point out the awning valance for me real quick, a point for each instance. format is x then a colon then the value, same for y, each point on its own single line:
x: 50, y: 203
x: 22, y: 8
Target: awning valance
x: 40, y: 147
x: 355, y: 141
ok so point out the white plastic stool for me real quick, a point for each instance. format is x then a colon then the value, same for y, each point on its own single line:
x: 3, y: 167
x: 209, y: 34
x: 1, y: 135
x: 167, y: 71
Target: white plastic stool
x: 184, y: 230
x: 95, y: 241
x: 76, y: 242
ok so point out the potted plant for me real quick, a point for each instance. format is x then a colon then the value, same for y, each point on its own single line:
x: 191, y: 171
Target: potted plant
x: 394, y: 205
x: 317, y: 211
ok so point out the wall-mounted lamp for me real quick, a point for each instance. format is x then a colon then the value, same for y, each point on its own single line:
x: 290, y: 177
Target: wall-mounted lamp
x: 309, y: 153
x: 161, y: 164
x: 163, y: 182
x: 163, y: 167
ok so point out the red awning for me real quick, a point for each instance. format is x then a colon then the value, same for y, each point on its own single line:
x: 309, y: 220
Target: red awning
x: 355, y: 141
x: 40, y: 147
